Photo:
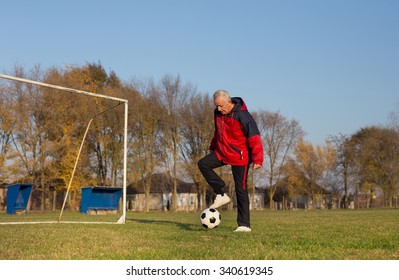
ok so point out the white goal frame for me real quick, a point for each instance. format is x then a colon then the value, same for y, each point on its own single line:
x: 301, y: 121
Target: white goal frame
x: 122, y: 219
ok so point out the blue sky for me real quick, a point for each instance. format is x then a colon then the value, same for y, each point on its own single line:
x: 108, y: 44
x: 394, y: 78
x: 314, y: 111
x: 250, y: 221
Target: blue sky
x: 333, y: 64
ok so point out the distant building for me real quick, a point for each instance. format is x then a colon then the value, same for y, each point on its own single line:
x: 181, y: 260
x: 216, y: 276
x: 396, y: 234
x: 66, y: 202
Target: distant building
x: 301, y: 197
x: 188, y: 196
x: 160, y: 197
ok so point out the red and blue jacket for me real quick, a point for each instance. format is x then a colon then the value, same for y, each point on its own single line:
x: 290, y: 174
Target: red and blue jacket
x: 236, y: 140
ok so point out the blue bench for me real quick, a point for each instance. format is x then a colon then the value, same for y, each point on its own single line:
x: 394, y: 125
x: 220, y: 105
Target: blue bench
x: 100, y: 198
x: 18, y: 197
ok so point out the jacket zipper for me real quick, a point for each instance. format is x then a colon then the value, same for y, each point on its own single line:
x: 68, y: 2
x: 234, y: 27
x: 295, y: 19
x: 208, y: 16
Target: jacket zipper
x: 237, y: 150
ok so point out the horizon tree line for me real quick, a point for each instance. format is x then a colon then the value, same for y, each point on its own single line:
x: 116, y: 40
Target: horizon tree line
x: 169, y: 129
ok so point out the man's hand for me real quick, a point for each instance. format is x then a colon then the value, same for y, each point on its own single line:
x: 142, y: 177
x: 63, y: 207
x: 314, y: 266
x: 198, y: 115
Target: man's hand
x: 256, y: 166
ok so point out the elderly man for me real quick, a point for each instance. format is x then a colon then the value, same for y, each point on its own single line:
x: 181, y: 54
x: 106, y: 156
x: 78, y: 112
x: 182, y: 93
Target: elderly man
x: 236, y: 142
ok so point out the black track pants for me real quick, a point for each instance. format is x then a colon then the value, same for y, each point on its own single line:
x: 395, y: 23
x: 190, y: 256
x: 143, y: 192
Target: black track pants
x: 207, y: 165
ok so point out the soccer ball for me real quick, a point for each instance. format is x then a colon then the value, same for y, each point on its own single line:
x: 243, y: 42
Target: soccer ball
x: 210, y: 218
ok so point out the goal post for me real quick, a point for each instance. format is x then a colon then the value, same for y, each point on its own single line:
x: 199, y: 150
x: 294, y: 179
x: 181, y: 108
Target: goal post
x: 122, y: 219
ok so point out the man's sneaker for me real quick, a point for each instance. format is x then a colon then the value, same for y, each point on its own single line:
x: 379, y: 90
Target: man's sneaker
x: 243, y: 229
x: 220, y: 200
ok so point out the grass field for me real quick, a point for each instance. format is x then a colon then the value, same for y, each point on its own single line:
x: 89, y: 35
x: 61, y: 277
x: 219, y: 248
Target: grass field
x: 279, y: 235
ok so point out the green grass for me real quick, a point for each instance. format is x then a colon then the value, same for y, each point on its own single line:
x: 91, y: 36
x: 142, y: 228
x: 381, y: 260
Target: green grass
x: 280, y: 235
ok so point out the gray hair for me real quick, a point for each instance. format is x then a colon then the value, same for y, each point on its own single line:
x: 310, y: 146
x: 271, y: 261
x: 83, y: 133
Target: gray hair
x: 221, y: 93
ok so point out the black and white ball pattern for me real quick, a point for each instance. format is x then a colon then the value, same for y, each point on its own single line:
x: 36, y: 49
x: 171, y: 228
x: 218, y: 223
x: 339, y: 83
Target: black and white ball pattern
x: 210, y: 218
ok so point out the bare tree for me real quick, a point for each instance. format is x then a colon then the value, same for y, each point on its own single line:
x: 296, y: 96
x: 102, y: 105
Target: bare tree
x: 6, y: 127
x: 146, y: 128
x: 343, y: 164
x: 393, y: 118
x: 279, y: 136
x: 197, y: 131
x: 30, y: 132
x: 174, y: 96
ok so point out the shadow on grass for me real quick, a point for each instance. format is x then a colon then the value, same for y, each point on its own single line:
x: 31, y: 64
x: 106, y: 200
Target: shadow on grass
x: 184, y: 226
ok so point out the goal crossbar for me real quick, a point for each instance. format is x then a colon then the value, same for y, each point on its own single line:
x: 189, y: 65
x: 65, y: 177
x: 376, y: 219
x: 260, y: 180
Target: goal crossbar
x: 61, y: 88
x: 122, y: 219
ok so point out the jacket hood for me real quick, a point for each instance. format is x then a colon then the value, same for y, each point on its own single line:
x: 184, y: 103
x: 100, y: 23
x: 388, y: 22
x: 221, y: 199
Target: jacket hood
x: 239, y: 104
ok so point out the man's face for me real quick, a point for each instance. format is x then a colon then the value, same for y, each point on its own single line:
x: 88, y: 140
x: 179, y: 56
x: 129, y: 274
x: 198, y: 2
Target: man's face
x: 223, y: 106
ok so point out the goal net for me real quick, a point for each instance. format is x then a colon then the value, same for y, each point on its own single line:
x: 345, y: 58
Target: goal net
x: 94, y: 116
